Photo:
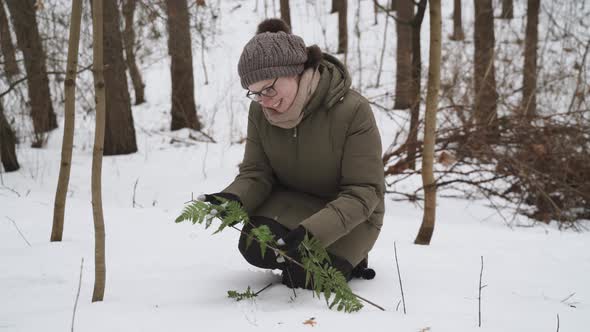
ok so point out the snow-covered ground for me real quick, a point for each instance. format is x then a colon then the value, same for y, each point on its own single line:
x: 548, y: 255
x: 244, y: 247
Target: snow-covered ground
x: 163, y: 276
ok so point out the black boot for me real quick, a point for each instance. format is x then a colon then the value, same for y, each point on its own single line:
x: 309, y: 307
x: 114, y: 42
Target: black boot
x: 362, y: 271
x: 294, y: 275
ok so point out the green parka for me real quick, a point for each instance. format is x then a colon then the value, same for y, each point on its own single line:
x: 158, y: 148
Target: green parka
x: 325, y: 174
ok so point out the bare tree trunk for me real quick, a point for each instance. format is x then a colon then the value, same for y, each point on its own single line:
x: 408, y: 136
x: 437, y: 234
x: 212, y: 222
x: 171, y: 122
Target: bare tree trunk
x: 458, y: 33
x: 507, y: 9
x: 286, y: 13
x: 335, y: 4
x: 265, y: 8
x: 357, y: 33
x: 10, y: 65
x: 416, y: 85
x: 486, y: 95
x: 184, y: 112
x: 393, y: 5
x: 27, y: 34
x: 403, y: 79
x: 70, y: 116
x: 382, y: 51
x: 529, y: 99
x: 129, y: 42
x: 427, y: 228
x: 203, y: 48
x: 375, y: 11
x: 99, y: 135
x: 274, y: 8
x: 7, y: 144
x: 342, y: 27
x: 119, y: 130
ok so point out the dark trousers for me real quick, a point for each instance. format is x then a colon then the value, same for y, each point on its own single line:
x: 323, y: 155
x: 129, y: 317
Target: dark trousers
x: 295, y: 275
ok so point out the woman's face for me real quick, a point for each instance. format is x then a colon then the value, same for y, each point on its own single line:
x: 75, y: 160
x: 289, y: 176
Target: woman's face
x: 286, y: 88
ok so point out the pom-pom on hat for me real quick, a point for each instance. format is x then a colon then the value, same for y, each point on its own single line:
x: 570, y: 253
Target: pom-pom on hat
x: 271, y: 53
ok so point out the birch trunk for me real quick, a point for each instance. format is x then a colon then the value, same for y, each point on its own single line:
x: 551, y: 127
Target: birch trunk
x: 427, y: 227
x: 69, y: 121
x: 99, y: 86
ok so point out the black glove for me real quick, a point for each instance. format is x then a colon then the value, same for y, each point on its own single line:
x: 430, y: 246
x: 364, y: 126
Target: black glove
x: 211, y: 198
x: 290, y: 243
x: 293, y: 274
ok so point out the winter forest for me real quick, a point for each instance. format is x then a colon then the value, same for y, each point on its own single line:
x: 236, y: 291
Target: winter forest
x: 121, y: 120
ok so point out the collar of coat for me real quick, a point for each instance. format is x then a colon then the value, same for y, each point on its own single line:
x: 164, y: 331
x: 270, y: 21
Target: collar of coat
x: 335, y: 81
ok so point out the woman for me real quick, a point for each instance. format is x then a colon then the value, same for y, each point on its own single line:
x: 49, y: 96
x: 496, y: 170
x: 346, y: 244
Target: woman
x: 312, y: 163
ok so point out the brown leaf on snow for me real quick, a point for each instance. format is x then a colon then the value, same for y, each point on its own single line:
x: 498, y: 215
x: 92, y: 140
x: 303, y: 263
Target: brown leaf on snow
x: 446, y: 159
x: 310, y: 321
x: 426, y: 329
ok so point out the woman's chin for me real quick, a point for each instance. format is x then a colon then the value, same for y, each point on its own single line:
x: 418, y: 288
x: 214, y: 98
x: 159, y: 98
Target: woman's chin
x: 276, y: 110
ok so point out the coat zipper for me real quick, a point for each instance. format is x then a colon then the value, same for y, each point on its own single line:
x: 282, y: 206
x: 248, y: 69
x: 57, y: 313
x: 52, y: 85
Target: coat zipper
x: 295, y: 132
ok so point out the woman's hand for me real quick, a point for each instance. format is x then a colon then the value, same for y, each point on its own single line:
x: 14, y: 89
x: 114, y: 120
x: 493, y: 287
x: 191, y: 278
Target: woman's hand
x: 212, y: 198
x: 290, y: 243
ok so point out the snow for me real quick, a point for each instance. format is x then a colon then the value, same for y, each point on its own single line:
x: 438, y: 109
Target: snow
x: 175, y: 277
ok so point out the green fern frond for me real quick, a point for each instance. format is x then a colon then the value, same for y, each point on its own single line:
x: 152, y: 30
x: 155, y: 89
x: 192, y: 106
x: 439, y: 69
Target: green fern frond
x: 248, y: 294
x: 232, y: 213
x: 327, y: 280
x: 195, y: 212
x: 228, y: 212
x: 263, y: 235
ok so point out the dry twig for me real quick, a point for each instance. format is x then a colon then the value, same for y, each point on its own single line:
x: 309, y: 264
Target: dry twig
x: 399, y: 277
x: 77, y: 294
x: 19, y: 232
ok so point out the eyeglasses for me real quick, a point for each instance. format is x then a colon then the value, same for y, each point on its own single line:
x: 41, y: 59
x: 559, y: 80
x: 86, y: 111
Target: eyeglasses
x: 266, y: 92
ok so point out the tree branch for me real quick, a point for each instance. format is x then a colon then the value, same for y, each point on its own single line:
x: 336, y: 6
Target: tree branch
x: 22, y: 79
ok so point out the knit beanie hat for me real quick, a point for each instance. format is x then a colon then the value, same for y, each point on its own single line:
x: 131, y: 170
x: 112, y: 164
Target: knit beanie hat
x: 271, y: 53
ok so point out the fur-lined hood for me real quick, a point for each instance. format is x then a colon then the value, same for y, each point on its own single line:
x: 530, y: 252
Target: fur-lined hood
x: 335, y: 82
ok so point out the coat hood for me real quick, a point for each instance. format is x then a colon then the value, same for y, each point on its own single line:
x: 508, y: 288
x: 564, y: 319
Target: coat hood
x: 334, y: 83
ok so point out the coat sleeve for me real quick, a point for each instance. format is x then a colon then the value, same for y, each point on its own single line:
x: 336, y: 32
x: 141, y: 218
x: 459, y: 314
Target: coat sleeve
x: 255, y: 179
x: 361, y: 184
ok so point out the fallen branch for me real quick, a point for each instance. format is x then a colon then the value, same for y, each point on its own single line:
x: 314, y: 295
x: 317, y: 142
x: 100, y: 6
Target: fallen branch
x: 77, y: 294
x: 19, y: 232
x: 399, y: 277
x: 480, y: 288
x: 134, y: 190
x: 8, y: 188
x: 265, y: 287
